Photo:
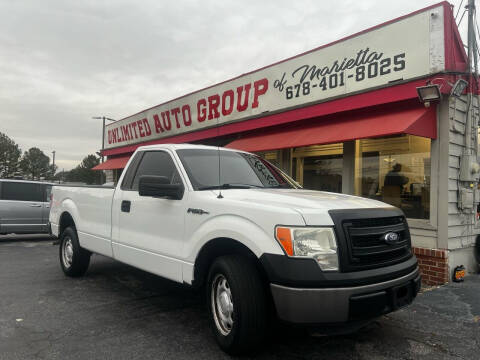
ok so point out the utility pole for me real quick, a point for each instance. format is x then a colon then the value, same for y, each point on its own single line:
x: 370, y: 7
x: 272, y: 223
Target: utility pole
x: 471, y: 79
x: 468, y: 174
x: 53, y: 162
x: 471, y: 34
x: 103, y: 118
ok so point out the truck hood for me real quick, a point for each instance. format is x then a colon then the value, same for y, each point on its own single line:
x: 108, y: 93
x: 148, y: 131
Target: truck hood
x: 312, y: 205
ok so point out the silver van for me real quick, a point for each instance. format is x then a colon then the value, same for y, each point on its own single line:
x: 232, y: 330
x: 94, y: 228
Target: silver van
x: 24, y: 206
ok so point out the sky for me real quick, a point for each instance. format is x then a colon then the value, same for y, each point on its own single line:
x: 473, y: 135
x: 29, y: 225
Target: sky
x: 63, y: 62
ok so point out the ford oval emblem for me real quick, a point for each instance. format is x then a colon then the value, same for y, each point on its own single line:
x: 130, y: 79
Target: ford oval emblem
x: 391, y: 237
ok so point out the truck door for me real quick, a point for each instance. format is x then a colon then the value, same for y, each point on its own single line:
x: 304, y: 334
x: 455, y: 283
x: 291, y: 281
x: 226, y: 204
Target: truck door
x: 150, y: 229
x: 20, y: 207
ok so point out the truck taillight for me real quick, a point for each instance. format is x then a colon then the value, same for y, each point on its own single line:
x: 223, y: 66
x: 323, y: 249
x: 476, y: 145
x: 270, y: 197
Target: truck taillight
x: 51, y: 198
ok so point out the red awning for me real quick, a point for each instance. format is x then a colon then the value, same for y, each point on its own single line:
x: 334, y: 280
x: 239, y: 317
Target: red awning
x: 418, y: 121
x: 114, y: 163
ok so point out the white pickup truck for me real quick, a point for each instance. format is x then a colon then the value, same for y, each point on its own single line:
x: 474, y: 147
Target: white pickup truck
x: 233, y: 223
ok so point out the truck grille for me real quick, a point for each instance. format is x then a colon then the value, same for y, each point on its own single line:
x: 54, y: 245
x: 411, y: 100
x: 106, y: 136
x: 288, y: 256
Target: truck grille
x: 363, y: 245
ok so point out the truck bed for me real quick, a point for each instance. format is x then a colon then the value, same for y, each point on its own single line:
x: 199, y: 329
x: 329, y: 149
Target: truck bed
x: 92, y: 211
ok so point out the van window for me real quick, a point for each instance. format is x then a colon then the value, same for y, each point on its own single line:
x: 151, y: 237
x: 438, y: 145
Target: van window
x: 48, y: 191
x: 21, y: 191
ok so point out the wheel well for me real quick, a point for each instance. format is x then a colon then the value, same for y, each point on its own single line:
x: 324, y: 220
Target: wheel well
x: 66, y: 220
x: 216, y: 248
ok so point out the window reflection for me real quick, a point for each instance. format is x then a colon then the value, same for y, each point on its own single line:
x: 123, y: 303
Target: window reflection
x: 395, y: 170
x: 323, y: 173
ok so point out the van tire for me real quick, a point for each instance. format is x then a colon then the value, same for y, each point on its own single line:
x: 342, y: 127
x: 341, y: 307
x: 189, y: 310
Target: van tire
x: 236, y: 278
x: 74, y: 260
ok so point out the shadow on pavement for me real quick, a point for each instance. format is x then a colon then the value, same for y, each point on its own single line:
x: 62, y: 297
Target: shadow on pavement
x: 25, y: 237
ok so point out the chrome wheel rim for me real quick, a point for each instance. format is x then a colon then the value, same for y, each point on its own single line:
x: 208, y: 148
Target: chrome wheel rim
x: 222, y: 304
x: 67, y: 251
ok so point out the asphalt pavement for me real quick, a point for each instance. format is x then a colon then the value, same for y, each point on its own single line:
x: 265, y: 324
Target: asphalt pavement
x: 118, y: 312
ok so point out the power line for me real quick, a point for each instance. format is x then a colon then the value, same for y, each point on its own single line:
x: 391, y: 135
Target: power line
x: 459, y: 7
x: 464, y: 11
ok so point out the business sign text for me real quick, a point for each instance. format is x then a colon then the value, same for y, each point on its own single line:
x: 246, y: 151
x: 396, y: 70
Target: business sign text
x: 406, y: 49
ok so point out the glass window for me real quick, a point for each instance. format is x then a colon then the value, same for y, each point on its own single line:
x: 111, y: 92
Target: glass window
x: 48, y: 191
x: 117, y: 173
x: 270, y: 156
x: 21, y: 191
x: 319, y: 167
x: 132, y: 168
x: 236, y: 170
x: 157, y: 163
x: 323, y: 173
x: 395, y: 170
x: 279, y: 158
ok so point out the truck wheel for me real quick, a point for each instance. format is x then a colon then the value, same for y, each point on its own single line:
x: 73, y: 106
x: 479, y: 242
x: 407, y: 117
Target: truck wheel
x: 237, y: 304
x: 73, y: 259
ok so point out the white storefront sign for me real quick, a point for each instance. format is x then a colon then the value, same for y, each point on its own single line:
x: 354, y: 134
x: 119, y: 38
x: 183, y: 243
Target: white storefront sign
x: 406, y: 49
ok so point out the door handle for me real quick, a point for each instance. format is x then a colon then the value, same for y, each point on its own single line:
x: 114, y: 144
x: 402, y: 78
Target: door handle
x: 126, y: 206
x: 35, y: 205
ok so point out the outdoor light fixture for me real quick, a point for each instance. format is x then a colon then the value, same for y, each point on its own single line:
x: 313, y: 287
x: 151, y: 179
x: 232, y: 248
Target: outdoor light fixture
x: 459, y: 88
x: 459, y: 273
x: 429, y: 93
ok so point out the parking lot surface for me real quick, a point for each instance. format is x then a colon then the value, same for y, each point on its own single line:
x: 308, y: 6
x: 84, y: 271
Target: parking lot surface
x: 118, y: 312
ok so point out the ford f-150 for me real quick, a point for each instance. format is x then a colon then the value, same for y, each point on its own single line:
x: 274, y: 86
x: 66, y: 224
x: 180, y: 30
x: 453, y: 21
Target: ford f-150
x: 235, y: 225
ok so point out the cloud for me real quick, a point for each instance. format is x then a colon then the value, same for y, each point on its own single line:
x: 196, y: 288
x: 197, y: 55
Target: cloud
x: 63, y: 62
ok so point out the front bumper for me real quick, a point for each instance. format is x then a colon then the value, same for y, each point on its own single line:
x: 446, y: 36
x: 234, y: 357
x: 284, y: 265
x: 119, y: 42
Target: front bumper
x: 343, y: 304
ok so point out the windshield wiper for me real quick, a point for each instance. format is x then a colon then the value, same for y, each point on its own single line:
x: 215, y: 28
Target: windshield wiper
x: 229, y: 186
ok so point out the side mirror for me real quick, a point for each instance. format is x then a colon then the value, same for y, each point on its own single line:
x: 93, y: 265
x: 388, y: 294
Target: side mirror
x: 159, y: 186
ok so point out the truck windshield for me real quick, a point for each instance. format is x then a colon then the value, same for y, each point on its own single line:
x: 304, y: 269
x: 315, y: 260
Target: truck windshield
x: 237, y: 170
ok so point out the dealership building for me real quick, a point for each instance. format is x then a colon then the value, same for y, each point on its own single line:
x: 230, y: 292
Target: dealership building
x: 347, y: 117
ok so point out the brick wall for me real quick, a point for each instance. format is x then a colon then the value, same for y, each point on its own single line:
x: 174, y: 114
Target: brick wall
x: 433, y: 265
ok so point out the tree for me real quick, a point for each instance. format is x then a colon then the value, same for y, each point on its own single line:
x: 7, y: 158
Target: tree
x: 35, y: 164
x: 89, y: 162
x: 84, y: 172
x: 9, y: 155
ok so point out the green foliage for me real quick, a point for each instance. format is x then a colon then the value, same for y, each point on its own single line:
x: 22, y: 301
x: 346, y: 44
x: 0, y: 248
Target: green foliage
x: 9, y: 156
x: 84, y: 173
x: 35, y: 164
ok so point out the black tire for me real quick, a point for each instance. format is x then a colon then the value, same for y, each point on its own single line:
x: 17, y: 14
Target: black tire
x: 75, y: 261
x: 247, y: 293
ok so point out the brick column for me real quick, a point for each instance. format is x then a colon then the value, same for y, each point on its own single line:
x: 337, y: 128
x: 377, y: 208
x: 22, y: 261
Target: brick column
x: 433, y: 265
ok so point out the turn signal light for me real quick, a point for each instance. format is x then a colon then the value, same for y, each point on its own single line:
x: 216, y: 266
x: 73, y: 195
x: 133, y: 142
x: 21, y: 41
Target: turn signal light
x: 284, y: 237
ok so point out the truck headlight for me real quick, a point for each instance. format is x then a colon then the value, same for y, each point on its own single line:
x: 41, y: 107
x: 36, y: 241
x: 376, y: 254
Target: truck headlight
x: 317, y: 243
